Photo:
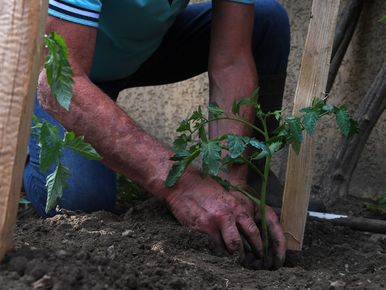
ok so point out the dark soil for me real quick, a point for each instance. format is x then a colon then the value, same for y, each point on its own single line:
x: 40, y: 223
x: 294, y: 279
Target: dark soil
x: 145, y: 248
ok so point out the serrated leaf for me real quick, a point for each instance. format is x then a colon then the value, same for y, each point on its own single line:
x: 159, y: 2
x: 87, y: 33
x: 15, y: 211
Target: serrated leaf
x: 179, y: 167
x: 180, y: 144
x: 236, y: 145
x: 175, y: 173
x: 257, y: 144
x: 197, y: 115
x: 51, y: 146
x: 254, y: 98
x: 310, y: 119
x: 56, y: 182
x: 277, y: 114
x: 343, y: 120
x: 295, y: 129
x: 58, y: 70
x: 264, y: 150
x: 78, y: 145
x: 214, y: 109
x: 211, y: 155
x: 184, y: 126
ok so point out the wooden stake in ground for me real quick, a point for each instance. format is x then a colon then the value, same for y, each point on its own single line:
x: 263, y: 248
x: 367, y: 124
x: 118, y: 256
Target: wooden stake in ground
x: 311, y: 84
x: 21, y: 31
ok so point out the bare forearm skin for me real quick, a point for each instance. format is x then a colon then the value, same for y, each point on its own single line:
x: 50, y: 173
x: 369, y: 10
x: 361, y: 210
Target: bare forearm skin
x: 232, y: 70
x: 125, y: 146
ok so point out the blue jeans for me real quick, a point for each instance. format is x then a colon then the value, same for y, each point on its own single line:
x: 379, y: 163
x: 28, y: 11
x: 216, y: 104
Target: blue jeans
x: 183, y: 54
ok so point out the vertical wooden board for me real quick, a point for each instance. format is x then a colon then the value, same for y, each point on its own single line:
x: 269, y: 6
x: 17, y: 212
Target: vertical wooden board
x: 311, y: 84
x: 21, y: 30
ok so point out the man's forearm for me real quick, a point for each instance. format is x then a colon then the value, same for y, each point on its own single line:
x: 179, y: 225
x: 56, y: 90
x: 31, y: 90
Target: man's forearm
x: 125, y: 147
x: 232, y: 70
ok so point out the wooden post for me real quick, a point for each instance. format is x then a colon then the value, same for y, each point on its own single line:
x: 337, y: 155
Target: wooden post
x: 21, y: 30
x: 312, y: 82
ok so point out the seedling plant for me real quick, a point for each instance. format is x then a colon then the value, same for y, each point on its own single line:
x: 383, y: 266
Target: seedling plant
x: 193, y: 142
x: 51, y: 143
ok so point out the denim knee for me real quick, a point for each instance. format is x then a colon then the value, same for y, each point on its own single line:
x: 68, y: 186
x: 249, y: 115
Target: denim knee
x: 271, y: 37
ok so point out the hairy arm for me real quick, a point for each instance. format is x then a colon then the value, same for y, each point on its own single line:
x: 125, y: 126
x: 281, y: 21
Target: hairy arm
x: 232, y: 70
x: 124, y: 146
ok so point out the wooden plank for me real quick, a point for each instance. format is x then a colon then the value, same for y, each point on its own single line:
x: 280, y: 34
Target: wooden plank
x: 21, y: 30
x: 312, y: 82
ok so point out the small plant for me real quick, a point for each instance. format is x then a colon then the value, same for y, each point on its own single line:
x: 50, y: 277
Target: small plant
x: 289, y: 131
x: 60, y: 80
x: 379, y: 205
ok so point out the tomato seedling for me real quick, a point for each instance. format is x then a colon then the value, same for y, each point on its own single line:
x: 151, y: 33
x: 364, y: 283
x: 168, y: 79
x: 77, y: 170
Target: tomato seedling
x: 289, y: 131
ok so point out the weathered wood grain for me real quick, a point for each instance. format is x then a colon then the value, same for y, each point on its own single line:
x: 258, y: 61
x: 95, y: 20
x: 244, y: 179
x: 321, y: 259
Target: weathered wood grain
x: 312, y: 82
x: 21, y: 31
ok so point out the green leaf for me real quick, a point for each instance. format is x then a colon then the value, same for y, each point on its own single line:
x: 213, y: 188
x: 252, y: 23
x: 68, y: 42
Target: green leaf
x: 175, y: 173
x: 295, y: 129
x: 51, y: 146
x: 296, y: 146
x: 236, y: 145
x: 77, y: 144
x: 179, y: 167
x: 274, y: 147
x: 197, y: 115
x: 58, y: 70
x: 354, y: 127
x: 254, y: 98
x: 184, y: 126
x: 235, y: 107
x: 343, y: 120
x: 310, y: 119
x: 211, y: 155
x: 264, y: 150
x: 202, y: 134
x: 215, y: 110
x: 56, y: 182
x: 277, y: 114
x: 23, y: 200
x: 328, y: 108
x: 180, y: 144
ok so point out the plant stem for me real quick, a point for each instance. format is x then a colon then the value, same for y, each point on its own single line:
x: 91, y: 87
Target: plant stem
x: 233, y: 119
x: 262, y: 204
x: 253, y: 166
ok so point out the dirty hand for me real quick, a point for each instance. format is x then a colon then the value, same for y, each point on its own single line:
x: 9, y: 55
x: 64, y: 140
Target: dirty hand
x: 228, y: 218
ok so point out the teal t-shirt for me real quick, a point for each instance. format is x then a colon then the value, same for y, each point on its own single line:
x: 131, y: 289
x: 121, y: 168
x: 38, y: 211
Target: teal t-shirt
x: 129, y: 31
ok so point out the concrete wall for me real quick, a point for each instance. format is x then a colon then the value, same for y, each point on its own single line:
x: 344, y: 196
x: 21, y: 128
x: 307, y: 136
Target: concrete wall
x: 159, y: 109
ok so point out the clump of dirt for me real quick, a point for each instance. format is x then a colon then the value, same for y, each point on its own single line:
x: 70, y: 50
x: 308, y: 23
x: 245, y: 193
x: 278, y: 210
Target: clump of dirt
x: 145, y: 248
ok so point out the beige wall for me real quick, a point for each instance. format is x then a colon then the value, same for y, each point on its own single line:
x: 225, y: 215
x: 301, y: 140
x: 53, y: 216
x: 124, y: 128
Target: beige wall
x: 159, y: 109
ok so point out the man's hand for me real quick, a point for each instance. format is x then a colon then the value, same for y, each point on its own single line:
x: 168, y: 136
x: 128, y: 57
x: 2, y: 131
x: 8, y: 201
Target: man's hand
x: 228, y: 218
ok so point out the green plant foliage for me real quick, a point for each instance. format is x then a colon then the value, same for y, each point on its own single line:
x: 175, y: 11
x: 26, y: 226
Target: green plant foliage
x: 78, y: 145
x: 379, y: 205
x: 60, y: 79
x: 51, y: 150
x: 244, y: 149
x: 58, y: 69
x: 236, y: 145
x: 211, y: 156
x: 56, y: 182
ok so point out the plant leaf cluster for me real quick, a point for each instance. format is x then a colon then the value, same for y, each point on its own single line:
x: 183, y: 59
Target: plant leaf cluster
x: 290, y: 131
x: 58, y: 70
x: 60, y: 79
x: 52, y: 146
